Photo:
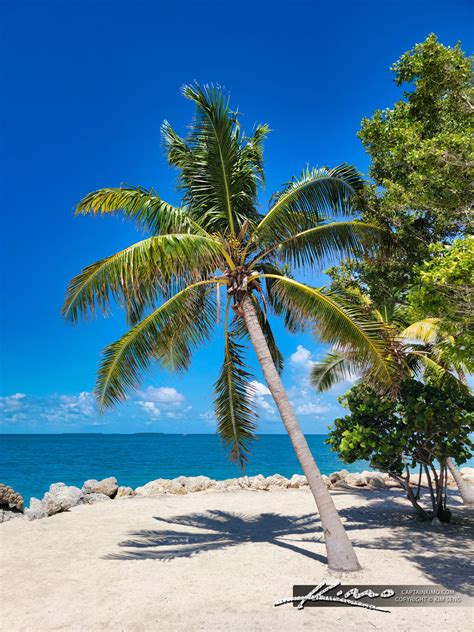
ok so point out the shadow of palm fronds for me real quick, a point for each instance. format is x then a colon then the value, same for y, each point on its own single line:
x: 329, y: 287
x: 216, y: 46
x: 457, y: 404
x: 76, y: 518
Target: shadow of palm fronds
x: 222, y: 530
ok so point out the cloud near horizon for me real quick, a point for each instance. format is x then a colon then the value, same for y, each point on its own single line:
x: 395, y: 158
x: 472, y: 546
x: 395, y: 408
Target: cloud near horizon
x: 76, y: 411
x: 167, y: 406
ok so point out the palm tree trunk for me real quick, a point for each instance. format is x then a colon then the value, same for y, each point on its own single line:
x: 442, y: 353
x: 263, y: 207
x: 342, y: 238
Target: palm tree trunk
x: 466, y: 490
x: 341, y: 555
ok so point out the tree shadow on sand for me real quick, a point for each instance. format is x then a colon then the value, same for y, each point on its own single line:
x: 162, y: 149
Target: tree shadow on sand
x: 227, y: 530
x: 442, y: 555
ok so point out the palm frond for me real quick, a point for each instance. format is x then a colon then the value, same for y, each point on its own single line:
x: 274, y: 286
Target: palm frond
x: 168, y: 335
x: 306, y: 201
x: 322, y: 244
x: 138, y: 275
x: 338, y: 323
x: 426, y: 330
x: 334, y: 368
x: 220, y: 168
x: 142, y: 205
x: 234, y: 404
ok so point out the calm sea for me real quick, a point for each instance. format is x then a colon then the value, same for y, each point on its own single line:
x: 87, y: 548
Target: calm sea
x: 30, y: 463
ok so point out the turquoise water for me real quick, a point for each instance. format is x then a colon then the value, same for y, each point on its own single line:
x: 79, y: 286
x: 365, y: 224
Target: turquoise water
x: 30, y: 463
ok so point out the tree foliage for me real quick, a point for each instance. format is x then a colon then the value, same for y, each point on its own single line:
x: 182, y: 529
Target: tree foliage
x: 422, y: 428
x: 422, y: 156
x: 444, y: 289
x: 218, y: 237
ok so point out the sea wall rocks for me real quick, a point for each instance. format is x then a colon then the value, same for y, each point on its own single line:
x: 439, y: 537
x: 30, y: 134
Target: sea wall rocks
x: 11, y: 504
x: 61, y: 497
x: 107, y: 487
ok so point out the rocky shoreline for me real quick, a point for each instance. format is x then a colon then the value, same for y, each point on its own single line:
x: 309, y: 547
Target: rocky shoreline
x: 61, y: 497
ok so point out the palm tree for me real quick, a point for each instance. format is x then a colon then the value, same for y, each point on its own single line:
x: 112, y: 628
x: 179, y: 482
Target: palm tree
x: 422, y: 348
x: 170, y: 282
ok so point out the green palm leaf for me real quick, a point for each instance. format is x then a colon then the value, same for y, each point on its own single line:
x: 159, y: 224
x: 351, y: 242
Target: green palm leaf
x: 220, y: 168
x: 321, y: 244
x: 168, y: 335
x: 333, y: 369
x: 142, y: 205
x: 307, y: 200
x: 138, y: 275
x: 234, y: 404
x: 337, y: 322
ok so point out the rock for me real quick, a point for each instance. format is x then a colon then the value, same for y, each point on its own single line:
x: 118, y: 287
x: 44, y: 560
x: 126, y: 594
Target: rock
x: 197, y: 483
x: 230, y: 484
x: 163, y: 486
x: 258, y: 482
x: 297, y: 480
x: 277, y: 480
x: 92, y: 499
x: 244, y: 482
x: 10, y: 500
x: 107, y: 486
x: 334, y: 477
x: 61, y: 497
x: 6, y: 516
x: 356, y: 480
x: 375, y: 481
x: 36, y: 511
x: 124, y: 491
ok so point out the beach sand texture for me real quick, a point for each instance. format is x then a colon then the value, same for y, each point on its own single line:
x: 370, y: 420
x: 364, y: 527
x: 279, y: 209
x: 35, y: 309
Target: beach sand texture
x: 218, y: 561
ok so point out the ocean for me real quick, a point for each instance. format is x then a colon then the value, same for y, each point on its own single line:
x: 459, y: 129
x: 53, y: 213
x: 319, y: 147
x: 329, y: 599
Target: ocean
x: 30, y: 463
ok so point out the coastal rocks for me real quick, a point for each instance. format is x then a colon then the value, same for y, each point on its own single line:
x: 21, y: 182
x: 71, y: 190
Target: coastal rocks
x: 197, y: 483
x: 107, y: 486
x: 375, y: 481
x: 10, y: 500
x: 36, y: 510
x: 356, y: 480
x: 297, y: 480
x: 91, y: 499
x: 60, y: 498
x: 162, y: 486
x: 5, y: 516
x: 277, y: 480
x: 123, y: 492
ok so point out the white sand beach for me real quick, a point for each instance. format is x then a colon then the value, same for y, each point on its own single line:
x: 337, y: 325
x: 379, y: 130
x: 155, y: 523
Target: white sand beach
x: 219, y: 561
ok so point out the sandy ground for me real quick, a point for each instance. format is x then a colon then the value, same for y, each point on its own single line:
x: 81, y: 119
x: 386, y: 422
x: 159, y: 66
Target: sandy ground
x: 219, y: 561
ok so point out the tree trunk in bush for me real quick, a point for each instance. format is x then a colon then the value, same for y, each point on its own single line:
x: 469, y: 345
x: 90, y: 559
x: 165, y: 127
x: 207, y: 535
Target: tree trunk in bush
x: 466, y: 490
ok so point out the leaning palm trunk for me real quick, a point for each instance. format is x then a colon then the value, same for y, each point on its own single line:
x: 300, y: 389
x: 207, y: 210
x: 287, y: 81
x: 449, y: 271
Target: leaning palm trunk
x: 466, y: 490
x: 341, y: 555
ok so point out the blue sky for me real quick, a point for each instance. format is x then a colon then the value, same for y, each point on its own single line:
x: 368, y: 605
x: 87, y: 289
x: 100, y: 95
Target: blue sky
x: 87, y: 87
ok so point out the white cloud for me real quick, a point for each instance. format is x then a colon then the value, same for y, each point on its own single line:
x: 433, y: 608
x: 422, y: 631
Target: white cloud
x: 302, y: 357
x: 259, y: 393
x: 12, y: 403
x: 54, y: 409
x: 312, y: 408
x: 162, y: 402
x: 151, y: 409
x: 258, y: 389
x: 161, y: 395
x: 304, y: 402
x: 208, y: 417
